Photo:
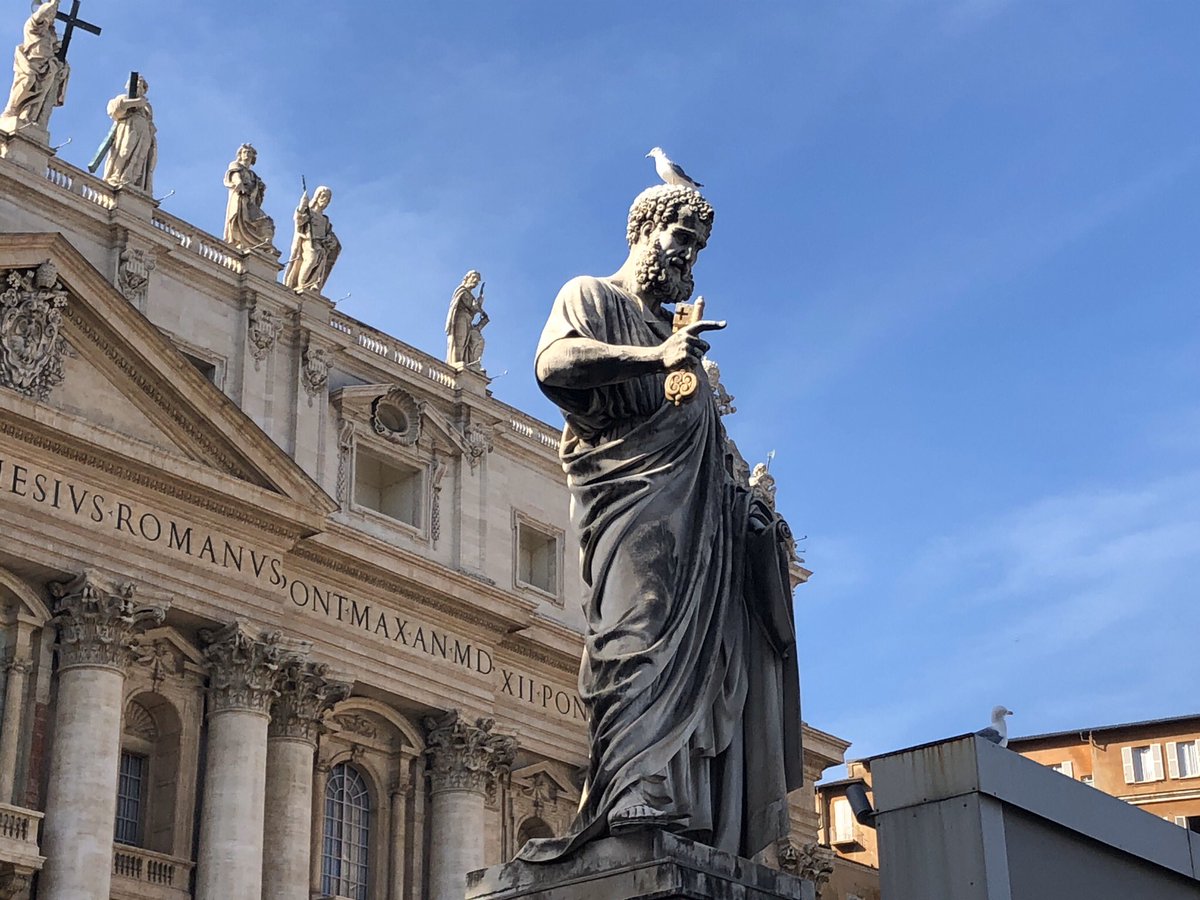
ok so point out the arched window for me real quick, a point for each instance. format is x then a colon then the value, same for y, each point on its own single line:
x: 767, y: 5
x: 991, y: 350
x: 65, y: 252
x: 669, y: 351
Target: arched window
x: 347, y: 834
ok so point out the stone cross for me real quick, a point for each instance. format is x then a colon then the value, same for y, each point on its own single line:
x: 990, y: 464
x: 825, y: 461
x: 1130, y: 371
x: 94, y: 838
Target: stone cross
x: 73, y: 21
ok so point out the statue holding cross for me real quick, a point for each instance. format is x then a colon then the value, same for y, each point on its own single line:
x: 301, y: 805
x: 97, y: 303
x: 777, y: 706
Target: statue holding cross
x: 40, y: 69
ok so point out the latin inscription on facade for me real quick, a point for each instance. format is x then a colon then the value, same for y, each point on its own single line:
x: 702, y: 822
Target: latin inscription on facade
x: 99, y: 510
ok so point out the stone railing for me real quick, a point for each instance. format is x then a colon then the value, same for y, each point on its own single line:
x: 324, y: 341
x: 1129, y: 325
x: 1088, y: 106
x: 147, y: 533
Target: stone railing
x: 391, y: 349
x: 139, y: 873
x: 199, y: 242
x: 530, y: 428
x: 19, y: 835
x: 80, y: 183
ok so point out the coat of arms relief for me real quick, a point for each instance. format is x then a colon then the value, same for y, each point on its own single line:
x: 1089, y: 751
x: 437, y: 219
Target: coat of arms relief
x: 31, y: 342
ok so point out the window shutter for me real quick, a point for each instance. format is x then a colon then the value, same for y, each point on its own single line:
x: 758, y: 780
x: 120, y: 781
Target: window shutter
x: 1172, y: 759
x: 1127, y: 764
x: 1181, y: 821
x: 1067, y: 768
x: 1156, y: 762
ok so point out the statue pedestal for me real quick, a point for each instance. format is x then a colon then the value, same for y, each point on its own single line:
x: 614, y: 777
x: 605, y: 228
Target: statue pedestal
x: 27, y: 146
x: 644, y: 865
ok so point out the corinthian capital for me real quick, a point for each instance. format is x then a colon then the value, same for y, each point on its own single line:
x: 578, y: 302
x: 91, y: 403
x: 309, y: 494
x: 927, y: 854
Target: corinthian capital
x: 243, y: 668
x: 465, y: 756
x: 99, y: 627
x: 305, y: 692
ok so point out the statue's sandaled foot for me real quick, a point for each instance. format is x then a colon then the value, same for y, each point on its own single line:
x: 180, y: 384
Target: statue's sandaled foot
x: 638, y: 815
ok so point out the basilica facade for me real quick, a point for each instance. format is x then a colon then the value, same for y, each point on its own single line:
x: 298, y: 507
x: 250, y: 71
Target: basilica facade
x: 288, y: 607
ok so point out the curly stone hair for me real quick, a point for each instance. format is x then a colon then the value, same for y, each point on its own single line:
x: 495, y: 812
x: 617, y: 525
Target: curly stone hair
x: 662, y: 205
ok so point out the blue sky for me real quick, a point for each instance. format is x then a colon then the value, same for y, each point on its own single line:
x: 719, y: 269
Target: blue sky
x: 955, y: 242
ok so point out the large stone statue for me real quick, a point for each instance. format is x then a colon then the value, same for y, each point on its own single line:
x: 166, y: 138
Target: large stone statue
x: 315, y: 247
x: 133, y: 152
x: 246, y: 225
x: 464, y: 332
x: 39, y: 76
x: 689, y: 670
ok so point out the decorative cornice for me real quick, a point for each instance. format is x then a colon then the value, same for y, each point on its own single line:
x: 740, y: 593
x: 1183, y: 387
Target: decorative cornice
x: 243, y: 670
x: 465, y: 756
x: 305, y: 693
x: 99, y: 628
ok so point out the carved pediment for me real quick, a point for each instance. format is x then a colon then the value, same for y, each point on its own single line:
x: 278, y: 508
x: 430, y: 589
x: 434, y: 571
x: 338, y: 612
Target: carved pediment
x: 78, y: 347
x: 394, y: 414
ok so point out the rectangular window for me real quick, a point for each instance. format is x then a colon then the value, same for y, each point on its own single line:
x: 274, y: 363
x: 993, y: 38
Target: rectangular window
x: 537, y: 558
x: 1142, y: 764
x: 1087, y: 779
x: 1065, y: 768
x: 1183, y: 760
x: 843, y: 821
x: 392, y: 488
x: 131, y: 788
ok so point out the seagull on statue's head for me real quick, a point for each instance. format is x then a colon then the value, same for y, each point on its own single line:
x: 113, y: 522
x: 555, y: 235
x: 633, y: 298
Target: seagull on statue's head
x: 671, y: 172
x: 997, y: 732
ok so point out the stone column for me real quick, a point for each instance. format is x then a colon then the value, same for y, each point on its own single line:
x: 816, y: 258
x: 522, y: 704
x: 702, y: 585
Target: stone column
x: 18, y: 667
x: 97, y: 640
x: 242, y: 677
x: 304, y: 694
x: 465, y: 762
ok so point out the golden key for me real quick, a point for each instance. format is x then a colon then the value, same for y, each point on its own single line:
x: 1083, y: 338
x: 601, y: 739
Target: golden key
x: 682, y: 384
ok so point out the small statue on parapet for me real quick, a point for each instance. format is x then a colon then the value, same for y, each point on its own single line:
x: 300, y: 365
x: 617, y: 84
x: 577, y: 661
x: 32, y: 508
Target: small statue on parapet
x: 132, y: 143
x: 464, y: 332
x: 315, y: 248
x: 39, y: 75
x: 247, y: 227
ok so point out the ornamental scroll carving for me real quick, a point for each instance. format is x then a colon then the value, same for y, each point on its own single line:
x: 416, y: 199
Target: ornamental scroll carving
x: 243, y: 669
x: 99, y: 627
x: 479, y: 442
x: 810, y: 861
x: 305, y: 693
x: 396, y: 416
x: 314, y: 372
x: 133, y: 274
x: 263, y: 332
x: 466, y: 756
x: 31, y: 342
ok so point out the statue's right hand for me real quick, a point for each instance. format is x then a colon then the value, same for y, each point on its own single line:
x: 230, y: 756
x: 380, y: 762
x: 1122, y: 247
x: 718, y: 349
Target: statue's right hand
x: 685, y: 348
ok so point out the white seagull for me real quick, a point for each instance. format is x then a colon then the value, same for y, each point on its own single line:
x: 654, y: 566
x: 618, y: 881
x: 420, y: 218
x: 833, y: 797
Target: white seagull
x: 997, y: 733
x: 671, y: 172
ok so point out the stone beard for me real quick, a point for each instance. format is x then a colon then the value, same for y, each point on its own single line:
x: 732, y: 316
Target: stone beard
x: 689, y: 672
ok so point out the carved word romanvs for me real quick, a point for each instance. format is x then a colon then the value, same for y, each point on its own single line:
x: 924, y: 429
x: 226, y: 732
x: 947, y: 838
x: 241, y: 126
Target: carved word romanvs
x: 382, y: 622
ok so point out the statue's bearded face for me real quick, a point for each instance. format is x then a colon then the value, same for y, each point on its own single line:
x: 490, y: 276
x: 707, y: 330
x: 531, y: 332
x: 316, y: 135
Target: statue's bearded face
x: 664, y: 267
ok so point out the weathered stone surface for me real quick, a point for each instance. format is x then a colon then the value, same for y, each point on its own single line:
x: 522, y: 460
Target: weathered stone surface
x: 639, y: 866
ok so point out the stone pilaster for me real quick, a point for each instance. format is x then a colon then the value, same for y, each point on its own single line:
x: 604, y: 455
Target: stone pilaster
x: 244, y: 669
x: 466, y: 760
x: 11, y: 727
x: 97, y: 640
x: 305, y: 693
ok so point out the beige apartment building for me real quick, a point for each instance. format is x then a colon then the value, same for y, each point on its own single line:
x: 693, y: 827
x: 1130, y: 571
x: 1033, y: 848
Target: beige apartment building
x: 855, y: 874
x: 1154, y: 765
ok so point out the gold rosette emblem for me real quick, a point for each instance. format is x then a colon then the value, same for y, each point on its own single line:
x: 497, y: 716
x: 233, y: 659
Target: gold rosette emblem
x: 680, y: 386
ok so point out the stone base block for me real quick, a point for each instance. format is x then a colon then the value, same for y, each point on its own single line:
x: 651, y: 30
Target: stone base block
x: 646, y: 865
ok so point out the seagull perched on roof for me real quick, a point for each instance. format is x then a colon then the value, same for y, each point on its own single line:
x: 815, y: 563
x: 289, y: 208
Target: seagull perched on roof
x: 671, y: 172
x: 997, y: 732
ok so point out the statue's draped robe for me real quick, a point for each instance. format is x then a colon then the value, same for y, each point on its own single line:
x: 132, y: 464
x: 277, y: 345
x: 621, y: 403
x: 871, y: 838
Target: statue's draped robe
x: 689, y: 670
x: 39, y: 77
x: 246, y: 225
x: 134, y: 150
x: 315, y: 248
x: 462, y: 339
